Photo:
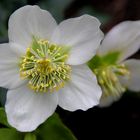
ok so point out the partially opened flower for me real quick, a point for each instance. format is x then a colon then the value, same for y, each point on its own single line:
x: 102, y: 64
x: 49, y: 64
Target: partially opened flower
x: 43, y: 66
x: 114, y: 71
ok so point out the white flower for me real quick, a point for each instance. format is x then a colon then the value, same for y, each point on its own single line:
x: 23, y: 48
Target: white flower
x: 114, y: 71
x: 43, y: 66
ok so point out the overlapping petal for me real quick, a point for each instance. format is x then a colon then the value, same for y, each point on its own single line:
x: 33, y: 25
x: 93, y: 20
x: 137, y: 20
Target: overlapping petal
x: 82, y: 34
x: 26, y: 109
x: 82, y: 92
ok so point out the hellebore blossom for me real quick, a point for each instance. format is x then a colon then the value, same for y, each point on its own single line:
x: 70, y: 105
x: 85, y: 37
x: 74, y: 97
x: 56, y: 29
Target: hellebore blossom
x: 43, y: 66
x: 115, y: 72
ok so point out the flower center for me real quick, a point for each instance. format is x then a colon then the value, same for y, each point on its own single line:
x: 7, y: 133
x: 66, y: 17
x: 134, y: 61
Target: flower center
x: 108, y: 73
x: 108, y: 79
x: 44, y: 65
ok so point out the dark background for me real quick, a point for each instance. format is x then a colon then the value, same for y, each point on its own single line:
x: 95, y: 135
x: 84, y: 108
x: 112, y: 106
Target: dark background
x: 122, y: 119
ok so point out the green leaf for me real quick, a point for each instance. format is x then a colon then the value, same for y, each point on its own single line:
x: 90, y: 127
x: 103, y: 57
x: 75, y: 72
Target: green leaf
x: 3, y: 118
x: 10, y: 134
x: 54, y: 129
x: 30, y: 136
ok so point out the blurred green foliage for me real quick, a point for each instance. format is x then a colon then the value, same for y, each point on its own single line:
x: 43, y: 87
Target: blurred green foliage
x: 30, y: 136
x: 3, y: 92
x: 9, y: 134
x: 54, y: 129
x: 6, y: 9
x: 55, y: 7
x: 87, y: 9
x: 3, y: 118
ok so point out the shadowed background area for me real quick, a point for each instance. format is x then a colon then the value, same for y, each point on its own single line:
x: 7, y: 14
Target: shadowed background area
x: 123, y: 117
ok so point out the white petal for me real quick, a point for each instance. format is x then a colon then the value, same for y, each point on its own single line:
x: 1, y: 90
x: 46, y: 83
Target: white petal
x: 9, y: 70
x: 133, y: 83
x: 82, y: 92
x: 26, y: 110
x: 30, y: 21
x: 17, y: 49
x: 122, y: 38
x: 82, y: 34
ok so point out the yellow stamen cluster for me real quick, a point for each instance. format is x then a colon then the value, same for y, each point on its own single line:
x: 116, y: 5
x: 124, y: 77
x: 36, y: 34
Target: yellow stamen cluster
x: 109, y: 81
x: 44, y: 66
